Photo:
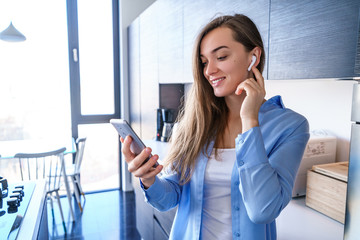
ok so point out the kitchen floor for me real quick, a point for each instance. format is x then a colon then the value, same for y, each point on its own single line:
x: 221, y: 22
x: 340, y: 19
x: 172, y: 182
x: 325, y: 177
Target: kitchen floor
x: 106, y: 215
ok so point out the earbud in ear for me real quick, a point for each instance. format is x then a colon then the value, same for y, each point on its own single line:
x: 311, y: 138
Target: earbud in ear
x: 253, y: 60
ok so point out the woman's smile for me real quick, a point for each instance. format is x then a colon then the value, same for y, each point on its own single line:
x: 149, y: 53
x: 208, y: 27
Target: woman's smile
x: 217, y: 81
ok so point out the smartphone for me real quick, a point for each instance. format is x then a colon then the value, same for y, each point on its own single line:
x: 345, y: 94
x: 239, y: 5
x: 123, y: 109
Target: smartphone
x: 124, y: 129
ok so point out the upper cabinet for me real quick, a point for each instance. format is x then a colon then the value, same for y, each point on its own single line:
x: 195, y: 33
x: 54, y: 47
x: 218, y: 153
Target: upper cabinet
x: 302, y: 39
x: 313, y: 39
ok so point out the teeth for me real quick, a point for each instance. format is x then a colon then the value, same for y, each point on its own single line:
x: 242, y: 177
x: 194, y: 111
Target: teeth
x: 217, y: 80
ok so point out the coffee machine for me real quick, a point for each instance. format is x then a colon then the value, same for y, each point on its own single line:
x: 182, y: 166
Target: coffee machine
x: 165, y: 123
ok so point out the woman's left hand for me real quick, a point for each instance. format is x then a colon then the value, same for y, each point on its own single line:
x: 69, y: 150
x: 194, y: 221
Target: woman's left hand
x: 255, y: 93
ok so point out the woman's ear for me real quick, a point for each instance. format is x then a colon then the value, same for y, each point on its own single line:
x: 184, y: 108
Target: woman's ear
x: 257, y: 53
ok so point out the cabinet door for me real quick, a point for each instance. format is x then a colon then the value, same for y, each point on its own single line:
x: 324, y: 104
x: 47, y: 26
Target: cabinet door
x: 159, y: 233
x: 134, y: 75
x: 196, y: 15
x: 170, y: 27
x: 165, y: 219
x: 313, y: 39
x: 144, y: 213
x: 149, y: 85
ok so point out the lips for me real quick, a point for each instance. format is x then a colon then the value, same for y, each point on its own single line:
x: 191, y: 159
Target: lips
x: 215, y: 82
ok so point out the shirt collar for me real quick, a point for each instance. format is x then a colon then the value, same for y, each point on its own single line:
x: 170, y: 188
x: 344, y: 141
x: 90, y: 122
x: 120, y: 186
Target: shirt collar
x: 274, y: 102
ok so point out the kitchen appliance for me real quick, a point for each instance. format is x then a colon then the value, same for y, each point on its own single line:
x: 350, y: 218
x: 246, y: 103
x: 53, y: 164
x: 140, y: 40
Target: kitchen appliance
x: 14, y: 202
x: 165, y: 123
x: 320, y: 149
x: 352, y: 215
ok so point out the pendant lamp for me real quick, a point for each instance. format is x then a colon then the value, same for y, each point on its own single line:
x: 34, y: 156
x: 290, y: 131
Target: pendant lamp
x: 11, y: 34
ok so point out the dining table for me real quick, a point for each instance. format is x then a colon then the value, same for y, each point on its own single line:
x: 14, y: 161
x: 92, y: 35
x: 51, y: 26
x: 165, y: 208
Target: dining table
x: 9, y: 148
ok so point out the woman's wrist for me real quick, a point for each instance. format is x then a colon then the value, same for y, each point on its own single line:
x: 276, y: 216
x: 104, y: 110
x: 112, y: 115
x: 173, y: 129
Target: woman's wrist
x: 247, y: 124
x: 147, y: 182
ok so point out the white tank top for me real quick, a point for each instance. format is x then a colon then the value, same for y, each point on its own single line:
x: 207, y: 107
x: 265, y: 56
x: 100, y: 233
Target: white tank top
x: 216, y: 219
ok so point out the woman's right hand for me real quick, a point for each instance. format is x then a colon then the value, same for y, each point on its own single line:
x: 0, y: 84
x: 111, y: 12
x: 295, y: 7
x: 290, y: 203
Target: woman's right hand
x: 146, y: 172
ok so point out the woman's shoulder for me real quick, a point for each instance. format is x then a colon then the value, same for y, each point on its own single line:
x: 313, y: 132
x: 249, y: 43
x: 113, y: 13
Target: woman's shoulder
x: 274, y: 110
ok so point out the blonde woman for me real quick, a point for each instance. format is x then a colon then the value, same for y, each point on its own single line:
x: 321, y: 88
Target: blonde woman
x: 234, y: 157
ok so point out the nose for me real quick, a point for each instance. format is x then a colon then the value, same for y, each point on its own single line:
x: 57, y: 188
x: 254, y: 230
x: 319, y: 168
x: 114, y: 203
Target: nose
x: 210, y: 68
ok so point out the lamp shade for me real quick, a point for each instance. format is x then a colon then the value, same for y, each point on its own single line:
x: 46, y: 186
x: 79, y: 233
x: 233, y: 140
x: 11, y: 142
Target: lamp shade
x: 11, y: 34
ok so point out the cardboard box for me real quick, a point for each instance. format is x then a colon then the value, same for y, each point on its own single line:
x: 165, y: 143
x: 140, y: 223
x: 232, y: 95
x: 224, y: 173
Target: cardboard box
x: 326, y: 189
x: 320, y: 149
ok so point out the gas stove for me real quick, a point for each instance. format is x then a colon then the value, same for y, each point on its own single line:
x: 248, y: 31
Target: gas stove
x: 14, y: 201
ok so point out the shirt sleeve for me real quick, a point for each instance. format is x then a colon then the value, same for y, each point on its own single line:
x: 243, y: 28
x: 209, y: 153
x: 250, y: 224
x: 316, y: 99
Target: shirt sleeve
x: 164, y: 194
x: 266, y: 179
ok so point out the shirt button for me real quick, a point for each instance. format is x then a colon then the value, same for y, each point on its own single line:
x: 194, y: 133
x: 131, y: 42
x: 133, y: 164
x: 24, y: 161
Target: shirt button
x: 236, y: 208
x: 236, y: 183
x: 241, y: 140
x: 241, y: 163
x: 237, y: 234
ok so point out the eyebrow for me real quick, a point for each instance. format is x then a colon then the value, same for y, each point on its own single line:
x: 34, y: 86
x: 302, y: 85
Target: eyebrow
x: 215, y: 50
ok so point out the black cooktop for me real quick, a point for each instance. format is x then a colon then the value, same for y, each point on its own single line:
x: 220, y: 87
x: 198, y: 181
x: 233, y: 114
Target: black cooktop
x: 14, y: 202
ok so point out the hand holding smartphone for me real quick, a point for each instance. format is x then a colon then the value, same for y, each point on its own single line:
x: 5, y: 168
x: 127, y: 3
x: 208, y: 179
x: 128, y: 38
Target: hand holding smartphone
x: 124, y: 129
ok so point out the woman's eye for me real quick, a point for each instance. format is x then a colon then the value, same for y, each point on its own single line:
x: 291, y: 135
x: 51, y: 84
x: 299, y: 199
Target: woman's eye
x: 203, y: 64
x: 222, y: 58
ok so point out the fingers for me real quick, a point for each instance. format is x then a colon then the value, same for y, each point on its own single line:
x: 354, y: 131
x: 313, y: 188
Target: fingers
x: 147, y: 170
x: 153, y: 172
x: 126, y: 149
x: 139, y: 159
x: 249, y: 85
x: 258, y: 76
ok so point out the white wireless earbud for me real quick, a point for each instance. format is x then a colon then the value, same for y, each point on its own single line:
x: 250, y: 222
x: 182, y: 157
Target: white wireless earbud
x: 253, y: 60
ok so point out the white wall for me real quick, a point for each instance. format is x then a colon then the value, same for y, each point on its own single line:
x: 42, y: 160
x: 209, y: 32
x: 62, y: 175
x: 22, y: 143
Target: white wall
x: 325, y: 103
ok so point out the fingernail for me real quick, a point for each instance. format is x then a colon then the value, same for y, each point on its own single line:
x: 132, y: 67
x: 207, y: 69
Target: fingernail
x: 148, y: 150
x: 238, y: 92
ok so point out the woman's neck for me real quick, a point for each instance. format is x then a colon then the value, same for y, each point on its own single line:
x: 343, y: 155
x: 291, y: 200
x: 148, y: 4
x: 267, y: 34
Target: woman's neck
x: 233, y: 125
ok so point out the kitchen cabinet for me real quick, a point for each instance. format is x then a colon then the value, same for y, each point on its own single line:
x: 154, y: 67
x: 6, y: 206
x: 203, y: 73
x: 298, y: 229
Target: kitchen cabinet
x: 151, y: 223
x: 314, y: 39
x: 149, y: 75
x: 195, y: 17
x: 159, y: 233
x: 144, y: 213
x: 170, y: 41
x: 134, y: 75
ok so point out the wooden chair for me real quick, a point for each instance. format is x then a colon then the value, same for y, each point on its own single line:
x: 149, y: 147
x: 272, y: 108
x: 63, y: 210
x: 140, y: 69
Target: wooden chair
x: 48, y: 166
x: 73, y: 172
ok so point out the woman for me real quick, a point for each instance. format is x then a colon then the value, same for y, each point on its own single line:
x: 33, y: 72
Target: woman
x: 234, y: 157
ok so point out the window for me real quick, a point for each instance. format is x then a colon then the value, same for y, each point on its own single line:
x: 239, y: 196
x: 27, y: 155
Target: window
x: 63, y: 81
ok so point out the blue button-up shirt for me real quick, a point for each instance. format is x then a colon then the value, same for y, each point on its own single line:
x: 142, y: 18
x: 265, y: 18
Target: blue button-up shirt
x: 267, y: 160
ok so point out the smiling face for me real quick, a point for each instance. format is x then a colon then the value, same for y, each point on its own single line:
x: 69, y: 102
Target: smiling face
x: 225, y: 61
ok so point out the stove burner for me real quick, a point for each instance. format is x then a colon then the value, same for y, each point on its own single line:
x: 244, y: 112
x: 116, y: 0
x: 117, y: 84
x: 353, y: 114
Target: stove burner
x: 13, y: 206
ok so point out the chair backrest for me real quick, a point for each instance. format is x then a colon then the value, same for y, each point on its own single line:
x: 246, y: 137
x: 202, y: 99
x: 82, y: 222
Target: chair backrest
x: 80, y: 143
x: 44, y: 165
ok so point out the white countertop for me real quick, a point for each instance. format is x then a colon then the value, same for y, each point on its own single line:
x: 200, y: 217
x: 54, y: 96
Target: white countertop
x: 299, y: 222
x: 31, y: 222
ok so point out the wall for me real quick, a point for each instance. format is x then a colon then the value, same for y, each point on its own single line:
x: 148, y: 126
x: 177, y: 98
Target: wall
x: 325, y: 103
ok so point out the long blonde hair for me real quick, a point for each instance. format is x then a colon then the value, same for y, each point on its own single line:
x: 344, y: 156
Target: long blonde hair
x: 204, y: 116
